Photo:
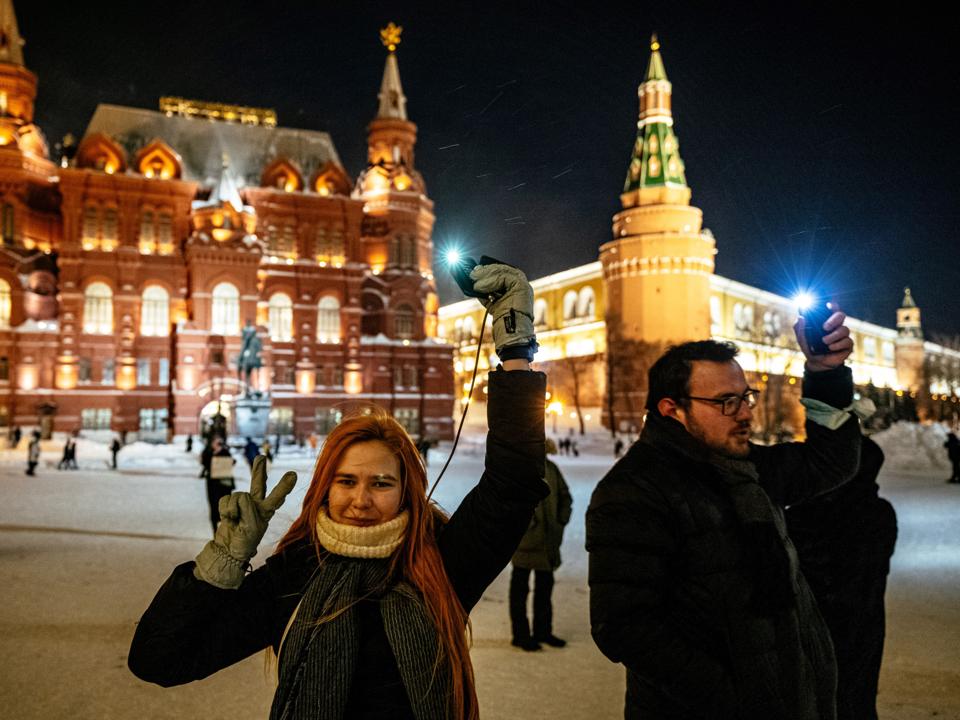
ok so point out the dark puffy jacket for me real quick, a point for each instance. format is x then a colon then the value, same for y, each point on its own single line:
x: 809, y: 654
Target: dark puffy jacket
x: 540, y: 547
x: 673, y: 579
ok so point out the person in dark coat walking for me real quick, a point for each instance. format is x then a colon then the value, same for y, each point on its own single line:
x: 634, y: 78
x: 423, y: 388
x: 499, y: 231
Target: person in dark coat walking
x: 845, y: 539
x: 539, y: 551
x: 218, y: 472
x: 33, y: 453
x: 953, y: 454
x: 694, y: 583
x: 114, y: 449
x: 69, y: 455
x: 365, y: 600
x: 250, y: 451
x: 189, y: 444
x: 617, y: 447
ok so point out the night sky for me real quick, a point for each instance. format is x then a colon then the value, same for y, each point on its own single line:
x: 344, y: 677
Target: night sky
x: 821, y: 146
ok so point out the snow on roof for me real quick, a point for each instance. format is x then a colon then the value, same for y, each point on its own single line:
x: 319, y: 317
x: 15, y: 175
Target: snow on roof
x: 203, y: 143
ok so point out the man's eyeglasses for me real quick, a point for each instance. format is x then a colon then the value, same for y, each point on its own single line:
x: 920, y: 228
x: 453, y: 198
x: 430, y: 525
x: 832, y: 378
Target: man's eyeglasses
x: 730, y: 404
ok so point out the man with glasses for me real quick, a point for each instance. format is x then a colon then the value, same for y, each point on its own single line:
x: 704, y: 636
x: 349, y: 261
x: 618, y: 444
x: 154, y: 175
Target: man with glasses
x: 694, y: 584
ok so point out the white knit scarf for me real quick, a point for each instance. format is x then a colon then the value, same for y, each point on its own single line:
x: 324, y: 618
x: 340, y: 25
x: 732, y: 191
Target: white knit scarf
x: 375, y: 541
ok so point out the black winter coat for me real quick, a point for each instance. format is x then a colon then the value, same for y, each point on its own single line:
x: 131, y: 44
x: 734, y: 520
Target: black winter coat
x: 673, y: 578
x: 193, y: 629
x: 845, y: 539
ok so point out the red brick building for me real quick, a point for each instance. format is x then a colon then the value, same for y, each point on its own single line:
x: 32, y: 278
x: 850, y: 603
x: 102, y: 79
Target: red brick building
x: 129, y: 267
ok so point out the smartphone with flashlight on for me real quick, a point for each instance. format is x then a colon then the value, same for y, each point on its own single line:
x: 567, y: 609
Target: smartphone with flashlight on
x: 813, y: 319
x: 460, y: 268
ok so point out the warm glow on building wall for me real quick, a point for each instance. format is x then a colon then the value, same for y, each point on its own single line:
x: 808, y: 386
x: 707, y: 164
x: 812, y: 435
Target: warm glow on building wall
x: 127, y: 374
x: 252, y: 227
x: 306, y: 381
x: 28, y: 376
x: 66, y: 375
x: 187, y: 375
x: 353, y: 379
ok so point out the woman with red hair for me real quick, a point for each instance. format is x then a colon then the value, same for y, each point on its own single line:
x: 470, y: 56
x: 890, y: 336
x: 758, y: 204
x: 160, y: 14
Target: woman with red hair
x: 366, y: 599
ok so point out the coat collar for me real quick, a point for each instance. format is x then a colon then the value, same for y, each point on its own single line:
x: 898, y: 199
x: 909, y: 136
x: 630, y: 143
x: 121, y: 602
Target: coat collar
x: 668, y: 434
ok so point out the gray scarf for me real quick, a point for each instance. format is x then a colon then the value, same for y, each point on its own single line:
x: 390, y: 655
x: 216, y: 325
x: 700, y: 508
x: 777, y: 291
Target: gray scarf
x: 772, y: 553
x: 317, y: 661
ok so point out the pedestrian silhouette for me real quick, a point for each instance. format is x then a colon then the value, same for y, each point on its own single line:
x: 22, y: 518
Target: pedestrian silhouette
x: 539, y: 552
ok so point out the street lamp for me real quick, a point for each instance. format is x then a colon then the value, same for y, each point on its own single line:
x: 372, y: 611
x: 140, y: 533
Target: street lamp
x: 556, y: 409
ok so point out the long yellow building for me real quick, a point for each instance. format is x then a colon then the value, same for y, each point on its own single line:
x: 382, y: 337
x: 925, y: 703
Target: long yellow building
x: 600, y: 325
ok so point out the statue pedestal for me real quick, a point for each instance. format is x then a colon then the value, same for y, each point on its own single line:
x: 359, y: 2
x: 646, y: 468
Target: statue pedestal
x: 252, y: 415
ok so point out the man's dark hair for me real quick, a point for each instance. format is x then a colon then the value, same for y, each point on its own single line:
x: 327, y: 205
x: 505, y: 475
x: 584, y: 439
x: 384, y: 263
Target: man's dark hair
x: 670, y: 375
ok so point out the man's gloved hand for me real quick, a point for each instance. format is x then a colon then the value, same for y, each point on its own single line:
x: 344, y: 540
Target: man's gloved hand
x: 243, y: 521
x: 511, y: 307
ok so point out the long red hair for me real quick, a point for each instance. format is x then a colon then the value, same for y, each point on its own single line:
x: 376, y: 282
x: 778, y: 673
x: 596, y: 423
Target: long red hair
x: 417, y: 559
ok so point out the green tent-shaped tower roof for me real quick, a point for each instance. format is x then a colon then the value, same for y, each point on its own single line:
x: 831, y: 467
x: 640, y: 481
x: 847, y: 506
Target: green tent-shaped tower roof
x: 656, y: 153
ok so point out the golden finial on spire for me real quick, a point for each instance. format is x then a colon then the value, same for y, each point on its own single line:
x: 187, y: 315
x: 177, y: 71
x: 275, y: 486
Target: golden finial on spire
x: 390, y: 36
x: 654, y: 44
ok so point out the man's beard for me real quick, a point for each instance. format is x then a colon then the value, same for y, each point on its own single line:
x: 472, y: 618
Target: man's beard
x: 725, y: 449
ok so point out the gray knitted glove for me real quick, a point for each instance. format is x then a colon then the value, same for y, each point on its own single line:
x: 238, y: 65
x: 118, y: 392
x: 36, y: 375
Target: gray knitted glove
x: 512, y: 306
x: 243, y: 521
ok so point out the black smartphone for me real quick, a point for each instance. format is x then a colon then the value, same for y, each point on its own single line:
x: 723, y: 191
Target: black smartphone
x: 460, y: 270
x: 813, y: 319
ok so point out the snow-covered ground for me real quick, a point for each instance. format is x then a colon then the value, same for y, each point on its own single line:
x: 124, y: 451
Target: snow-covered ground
x: 82, y: 553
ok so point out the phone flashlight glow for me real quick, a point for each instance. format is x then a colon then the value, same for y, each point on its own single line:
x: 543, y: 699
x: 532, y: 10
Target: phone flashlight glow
x: 803, y: 301
x: 452, y: 256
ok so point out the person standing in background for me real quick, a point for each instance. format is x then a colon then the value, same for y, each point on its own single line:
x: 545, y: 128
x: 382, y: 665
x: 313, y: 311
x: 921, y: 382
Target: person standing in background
x: 539, y: 551
x: 218, y: 472
x: 114, y: 449
x: 33, y: 453
x: 953, y: 453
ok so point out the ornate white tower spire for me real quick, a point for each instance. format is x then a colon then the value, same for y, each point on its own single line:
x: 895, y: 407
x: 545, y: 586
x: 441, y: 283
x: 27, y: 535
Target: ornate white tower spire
x: 11, y: 44
x: 393, y: 103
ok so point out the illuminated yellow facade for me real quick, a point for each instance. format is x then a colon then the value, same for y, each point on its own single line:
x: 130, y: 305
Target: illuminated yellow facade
x: 654, y: 285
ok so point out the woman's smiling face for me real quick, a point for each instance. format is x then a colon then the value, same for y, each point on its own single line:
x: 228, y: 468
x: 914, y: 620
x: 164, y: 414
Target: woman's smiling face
x: 366, y: 488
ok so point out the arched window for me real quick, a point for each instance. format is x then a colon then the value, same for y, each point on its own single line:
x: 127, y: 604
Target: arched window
x: 288, y: 243
x: 5, y: 304
x: 155, y: 312
x: 281, y: 239
x: 109, y: 229
x: 403, y: 322
x: 328, y: 320
x: 329, y: 246
x: 281, y: 317
x: 570, y: 305
x: 469, y: 329
x: 165, y: 232
x: 586, y: 303
x: 226, y: 310
x: 148, y: 236
x: 98, y: 309
x: 743, y: 319
x: 772, y: 325
x: 91, y: 227
x: 540, y: 312
x: 408, y: 251
x: 716, y: 321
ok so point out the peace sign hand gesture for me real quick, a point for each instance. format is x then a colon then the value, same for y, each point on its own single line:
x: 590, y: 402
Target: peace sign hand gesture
x: 243, y: 521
